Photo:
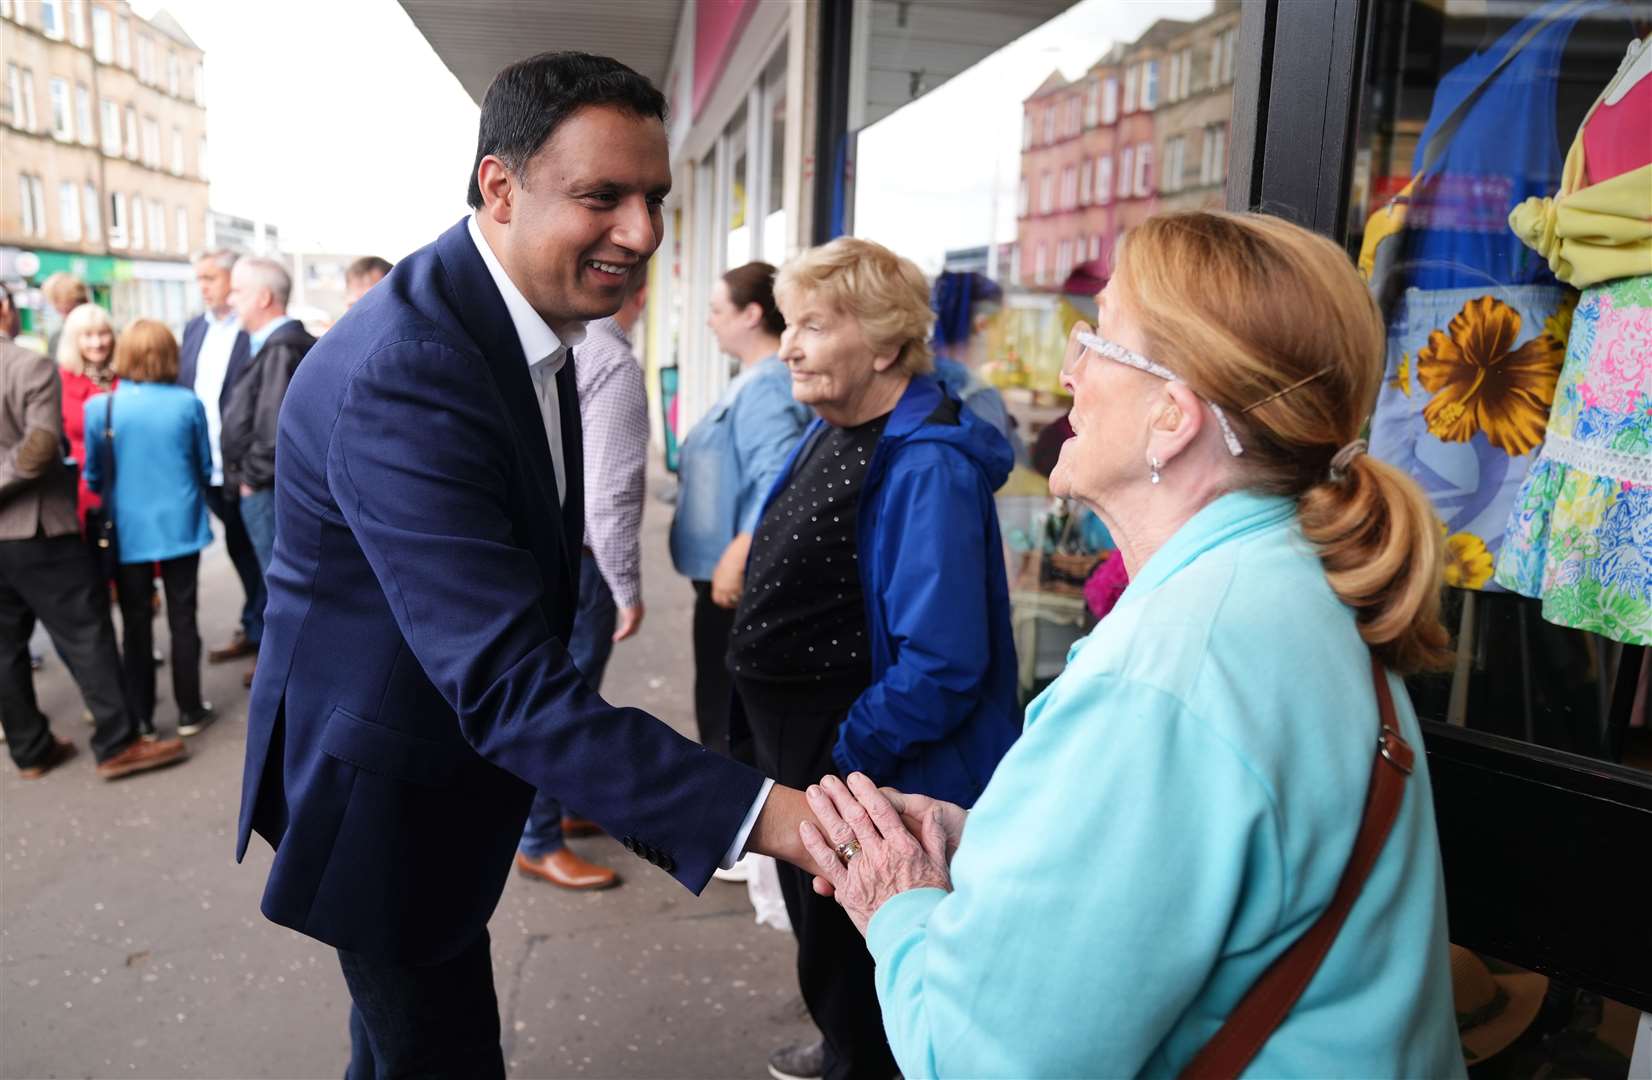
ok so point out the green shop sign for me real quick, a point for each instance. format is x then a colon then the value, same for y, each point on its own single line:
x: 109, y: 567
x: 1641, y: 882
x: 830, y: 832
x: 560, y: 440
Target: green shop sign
x: 92, y: 269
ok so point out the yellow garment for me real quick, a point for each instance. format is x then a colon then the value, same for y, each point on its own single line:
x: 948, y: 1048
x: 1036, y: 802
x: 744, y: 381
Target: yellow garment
x: 1595, y: 233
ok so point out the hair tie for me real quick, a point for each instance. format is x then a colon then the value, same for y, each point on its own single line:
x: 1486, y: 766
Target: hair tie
x: 1345, y: 457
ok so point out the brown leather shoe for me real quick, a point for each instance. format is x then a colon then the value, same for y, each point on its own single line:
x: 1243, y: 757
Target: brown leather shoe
x: 238, y: 647
x: 62, y: 750
x: 566, y: 870
x: 142, y: 755
x: 578, y: 826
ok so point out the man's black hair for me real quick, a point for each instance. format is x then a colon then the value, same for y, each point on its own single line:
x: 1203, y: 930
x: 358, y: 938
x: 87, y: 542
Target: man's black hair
x: 529, y: 100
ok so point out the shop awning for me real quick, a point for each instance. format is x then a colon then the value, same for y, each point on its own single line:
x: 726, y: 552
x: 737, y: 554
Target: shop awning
x: 476, y: 38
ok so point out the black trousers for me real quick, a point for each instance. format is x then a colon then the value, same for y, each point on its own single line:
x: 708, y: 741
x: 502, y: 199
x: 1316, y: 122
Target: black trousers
x: 433, y: 1020
x: 134, y: 585
x: 713, y: 685
x: 792, y: 742
x: 245, y: 560
x: 53, y: 579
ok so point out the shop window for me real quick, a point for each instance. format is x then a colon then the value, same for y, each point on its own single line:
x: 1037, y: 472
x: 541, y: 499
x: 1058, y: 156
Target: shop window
x: 1534, y: 444
x: 68, y: 212
x: 1104, y: 178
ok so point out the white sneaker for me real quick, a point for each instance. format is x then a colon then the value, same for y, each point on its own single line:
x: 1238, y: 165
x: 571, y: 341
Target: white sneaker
x: 739, y: 873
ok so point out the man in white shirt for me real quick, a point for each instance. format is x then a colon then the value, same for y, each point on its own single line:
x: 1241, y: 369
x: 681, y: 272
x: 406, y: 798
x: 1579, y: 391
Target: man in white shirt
x: 214, y: 353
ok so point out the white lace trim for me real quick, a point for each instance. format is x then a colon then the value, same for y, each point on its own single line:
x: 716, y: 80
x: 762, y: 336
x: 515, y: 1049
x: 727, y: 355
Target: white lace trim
x: 1599, y: 460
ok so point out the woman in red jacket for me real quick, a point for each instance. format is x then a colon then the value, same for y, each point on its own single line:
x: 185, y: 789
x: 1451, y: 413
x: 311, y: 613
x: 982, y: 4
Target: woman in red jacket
x: 85, y: 355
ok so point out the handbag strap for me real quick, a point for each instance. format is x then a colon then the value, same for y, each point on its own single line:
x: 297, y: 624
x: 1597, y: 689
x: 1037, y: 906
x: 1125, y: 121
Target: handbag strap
x: 1267, y: 1003
x: 109, y: 445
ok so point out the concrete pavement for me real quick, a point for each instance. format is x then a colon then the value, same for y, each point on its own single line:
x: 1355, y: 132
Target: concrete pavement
x: 131, y: 943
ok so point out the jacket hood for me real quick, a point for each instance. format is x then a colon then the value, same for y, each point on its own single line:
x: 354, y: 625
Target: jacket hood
x: 929, y: 413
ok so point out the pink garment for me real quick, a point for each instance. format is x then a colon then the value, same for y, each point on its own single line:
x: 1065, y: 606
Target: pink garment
x: 1106, y: 584
x: 1618, y: 138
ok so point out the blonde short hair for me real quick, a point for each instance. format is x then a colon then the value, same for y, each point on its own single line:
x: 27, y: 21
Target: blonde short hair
x: 63, y: 288
x: 77, y: 322
x: 1271, y: 322
x: 886, y: 294
x: 147, y: 352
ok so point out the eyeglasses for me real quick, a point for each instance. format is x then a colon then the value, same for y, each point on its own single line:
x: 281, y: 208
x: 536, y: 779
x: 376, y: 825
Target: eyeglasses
x: 1112, y: 350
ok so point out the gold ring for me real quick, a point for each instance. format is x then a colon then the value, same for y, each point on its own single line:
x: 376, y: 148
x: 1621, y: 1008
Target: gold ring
x: 848, y: 849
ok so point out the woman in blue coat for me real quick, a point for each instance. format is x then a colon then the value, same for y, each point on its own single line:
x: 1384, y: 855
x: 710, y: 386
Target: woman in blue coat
x: 1183, y: 802
x: 155, y: 472
x: 873, y: 633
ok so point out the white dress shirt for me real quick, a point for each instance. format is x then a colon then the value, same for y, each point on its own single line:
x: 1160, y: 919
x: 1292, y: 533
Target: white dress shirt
x: 546, y: 353
x: 211, y: 368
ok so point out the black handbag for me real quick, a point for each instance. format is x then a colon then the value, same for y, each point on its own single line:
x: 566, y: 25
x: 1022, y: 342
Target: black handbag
x: 100, y: 521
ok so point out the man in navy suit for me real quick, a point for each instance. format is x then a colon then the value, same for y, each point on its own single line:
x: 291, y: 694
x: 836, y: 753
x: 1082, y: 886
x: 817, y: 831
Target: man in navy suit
x: 413, y: 688
x: 214, y: 353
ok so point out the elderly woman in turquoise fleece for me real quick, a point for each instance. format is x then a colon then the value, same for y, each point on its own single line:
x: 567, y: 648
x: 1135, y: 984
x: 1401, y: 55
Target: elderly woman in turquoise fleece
x: 1183, y: 801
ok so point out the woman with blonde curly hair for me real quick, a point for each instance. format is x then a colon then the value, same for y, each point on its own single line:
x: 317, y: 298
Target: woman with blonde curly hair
x: 1203, y: 796
x: 86, y: 359
x: 873, y: 631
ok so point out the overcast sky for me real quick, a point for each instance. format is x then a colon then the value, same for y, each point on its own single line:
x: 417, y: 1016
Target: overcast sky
x: 335, y: 121
x: 330, y: 119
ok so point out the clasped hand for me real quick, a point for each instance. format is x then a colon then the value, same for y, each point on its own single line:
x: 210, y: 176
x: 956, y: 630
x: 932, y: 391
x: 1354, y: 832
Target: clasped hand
x: 906, y: 842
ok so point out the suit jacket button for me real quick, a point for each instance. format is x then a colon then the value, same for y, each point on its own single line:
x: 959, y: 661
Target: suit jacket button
x: 667, y: 863
x: 628, y: 844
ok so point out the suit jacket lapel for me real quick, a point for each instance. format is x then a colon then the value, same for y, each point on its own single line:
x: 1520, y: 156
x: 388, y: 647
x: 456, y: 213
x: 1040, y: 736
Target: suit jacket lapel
x: 481, y: 311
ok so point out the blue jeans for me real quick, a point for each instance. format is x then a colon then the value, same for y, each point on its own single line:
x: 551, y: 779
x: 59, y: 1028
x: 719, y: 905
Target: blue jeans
x: 424, y: 1020
x: 258, y: 514
x: 589, y: 646
x: 243, y: 558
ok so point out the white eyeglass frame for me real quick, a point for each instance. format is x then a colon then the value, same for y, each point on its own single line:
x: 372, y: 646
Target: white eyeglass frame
x: 1112, y: 350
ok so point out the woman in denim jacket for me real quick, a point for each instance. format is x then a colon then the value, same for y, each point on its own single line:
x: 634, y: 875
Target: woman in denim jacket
x: 728, y: 463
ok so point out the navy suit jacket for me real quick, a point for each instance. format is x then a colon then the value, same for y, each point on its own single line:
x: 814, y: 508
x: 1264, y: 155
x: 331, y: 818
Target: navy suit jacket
x: 189, y: 356
x: 413, y: 689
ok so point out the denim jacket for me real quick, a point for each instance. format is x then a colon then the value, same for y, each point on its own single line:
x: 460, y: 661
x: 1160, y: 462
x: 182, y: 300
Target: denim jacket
x: 729, y: 461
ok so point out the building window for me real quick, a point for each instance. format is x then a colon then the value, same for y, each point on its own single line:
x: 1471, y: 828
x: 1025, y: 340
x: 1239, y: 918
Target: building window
x: 1049, y: 125
x: 1130, y: 77
x: 1127, y: 160
x: 1104, y: 178
x: 22, y: 96
x: 1110, y: 101
x: 1187, y: 72
x: 83, y: 113
x: 1095, y: 247
x: 1144, y: 170
x: 1213, y: 155
x: 63, y: 124
x: 180, y: 232
x: 146, y: 60
x: 199, y: 89
x: 151, y: 142
x: 89, y: 208
x: 117, y: 220
x: 32, y: 202
x: 1084, y: 182
x: 157, y: 226
x: 1150, y: 85
x: 177, y: 151
x: 111, y: 127
x: 1230, y: 48
x: 14, y: 94
x: 6, y: 9
x: 1026, y: 131
x: 132, y: 132
x: 1064, y: 261
x: 1041, y: 258
x: 1046, y: 192
x: 137, y: 221
x: 1069, y: 188
x: 1170, y: 90
x: 103, y: 36
x: 201, y: 160
x: 123, y: 42
x: 1092, y: 103
x: 1023, y: 198
x: 51, y: 18
x: 1216, y: 61
x: 174, y: 74
x: 77, y: 22
x: 1075, y: 119
x: 68, y: 211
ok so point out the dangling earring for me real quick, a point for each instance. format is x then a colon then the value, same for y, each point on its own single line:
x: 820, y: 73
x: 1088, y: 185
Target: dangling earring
x: 1153, y: 467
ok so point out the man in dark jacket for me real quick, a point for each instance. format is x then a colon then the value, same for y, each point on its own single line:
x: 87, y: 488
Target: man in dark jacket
x: 258, y: 291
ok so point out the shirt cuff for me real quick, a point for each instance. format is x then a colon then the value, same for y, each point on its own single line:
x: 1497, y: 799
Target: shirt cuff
x: 738, y: 848
x: 900, y: 915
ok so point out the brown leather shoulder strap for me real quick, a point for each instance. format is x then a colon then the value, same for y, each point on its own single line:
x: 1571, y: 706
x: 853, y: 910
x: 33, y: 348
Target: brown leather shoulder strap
x: 1261, y: 1011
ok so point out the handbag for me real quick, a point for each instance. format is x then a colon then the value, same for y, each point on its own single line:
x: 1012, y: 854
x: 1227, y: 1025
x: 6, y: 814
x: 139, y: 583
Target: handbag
x: 1270, y: 999
x: 100, y: 522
